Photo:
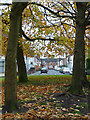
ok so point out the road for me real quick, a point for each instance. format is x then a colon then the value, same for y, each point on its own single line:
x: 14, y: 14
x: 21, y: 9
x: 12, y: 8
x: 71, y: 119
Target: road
x: 50, y: 72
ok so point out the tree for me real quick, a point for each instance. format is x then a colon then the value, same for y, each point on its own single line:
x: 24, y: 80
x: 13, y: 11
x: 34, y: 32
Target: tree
x: 20, y: 58
x: 10, y: 61
x: 78, y: 77
x: 21, y: 65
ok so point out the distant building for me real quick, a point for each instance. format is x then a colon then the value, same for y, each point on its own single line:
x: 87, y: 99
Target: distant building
x: 32, y: 63
x: 52, y: 61
x: 70, y: 61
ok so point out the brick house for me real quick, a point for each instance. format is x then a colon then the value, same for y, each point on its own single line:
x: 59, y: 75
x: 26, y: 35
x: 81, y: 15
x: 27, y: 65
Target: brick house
x: 53, y: 61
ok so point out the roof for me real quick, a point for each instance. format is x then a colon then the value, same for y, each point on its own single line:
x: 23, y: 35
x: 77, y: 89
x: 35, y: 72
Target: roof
x: 52, y: 59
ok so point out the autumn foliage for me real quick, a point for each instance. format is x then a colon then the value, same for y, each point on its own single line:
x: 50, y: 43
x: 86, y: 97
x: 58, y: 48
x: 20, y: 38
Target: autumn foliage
x: 38, y: 99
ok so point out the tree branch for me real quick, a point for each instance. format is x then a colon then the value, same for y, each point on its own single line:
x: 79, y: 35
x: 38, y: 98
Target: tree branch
x: 68, y: 24
x: 72, y: 7
x: 55, y: 13
x: 6, y: 4
x: 29, y: 39
x: 66, y: 9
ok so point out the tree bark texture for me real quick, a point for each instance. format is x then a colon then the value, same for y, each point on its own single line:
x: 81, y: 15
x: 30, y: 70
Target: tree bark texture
x: 21, y: 65
x: 10, y: 61
x: 79, y: 52
x: 20, y: 59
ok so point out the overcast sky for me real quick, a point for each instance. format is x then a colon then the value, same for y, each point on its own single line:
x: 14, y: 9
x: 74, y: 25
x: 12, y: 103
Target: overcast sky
x: 5, y: 1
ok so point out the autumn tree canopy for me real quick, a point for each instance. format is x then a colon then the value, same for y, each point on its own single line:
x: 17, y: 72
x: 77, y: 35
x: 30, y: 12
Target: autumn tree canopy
x: 42, y: 21
x: 53, y: 21
x: 43, y: 32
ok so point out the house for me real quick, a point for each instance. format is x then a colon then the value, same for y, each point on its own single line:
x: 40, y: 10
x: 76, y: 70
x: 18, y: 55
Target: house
x: 52, y: 62
x: 32, y: 64
x: 70, y: 61
x: 59, y: 61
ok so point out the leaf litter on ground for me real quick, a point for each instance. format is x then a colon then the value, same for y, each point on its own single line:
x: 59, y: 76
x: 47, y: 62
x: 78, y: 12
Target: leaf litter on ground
x: 43, y: 102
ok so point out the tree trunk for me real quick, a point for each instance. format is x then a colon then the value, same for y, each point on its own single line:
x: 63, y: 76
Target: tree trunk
x: 89, y: 49
x: 79, y: 52
x: 10, y: 61
x: 88, y: 59
x: 21, y: 65
x: 20, y: 60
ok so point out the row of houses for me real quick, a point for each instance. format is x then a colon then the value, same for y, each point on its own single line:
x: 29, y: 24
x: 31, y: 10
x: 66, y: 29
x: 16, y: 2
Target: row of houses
x: 36, y: 62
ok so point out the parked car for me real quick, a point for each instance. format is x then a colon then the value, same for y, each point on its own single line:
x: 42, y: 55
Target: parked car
x: 57, y: 68
x: 44, y: 70
x: 61, y: 70
x: 66, y: 70
x: 31, y: 70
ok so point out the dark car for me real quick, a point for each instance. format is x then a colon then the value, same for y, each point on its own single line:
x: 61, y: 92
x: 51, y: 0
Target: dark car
x: 44, y: 70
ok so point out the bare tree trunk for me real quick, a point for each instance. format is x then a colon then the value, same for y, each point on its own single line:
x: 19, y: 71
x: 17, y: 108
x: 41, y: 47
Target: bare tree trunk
x: 79, y: 52
x: 88, y: 59
x: 10, y: 61
x: 21, y: 65
x: 20, y: 59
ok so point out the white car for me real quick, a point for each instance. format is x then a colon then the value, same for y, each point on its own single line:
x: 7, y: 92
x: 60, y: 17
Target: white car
x: 66, y: 70
x: 57, y: 68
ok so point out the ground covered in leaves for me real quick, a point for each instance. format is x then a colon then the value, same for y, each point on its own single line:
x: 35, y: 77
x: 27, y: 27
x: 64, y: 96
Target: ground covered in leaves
x: 41, y: 99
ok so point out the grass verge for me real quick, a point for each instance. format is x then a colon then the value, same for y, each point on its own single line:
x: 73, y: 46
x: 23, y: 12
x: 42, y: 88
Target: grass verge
x: 50, y: 79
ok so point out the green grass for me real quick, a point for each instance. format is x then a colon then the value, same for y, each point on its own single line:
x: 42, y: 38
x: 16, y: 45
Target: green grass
x: 50, y: 79
x: 47, y: 75
x: 47, y: 79
x: 2, y: 78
